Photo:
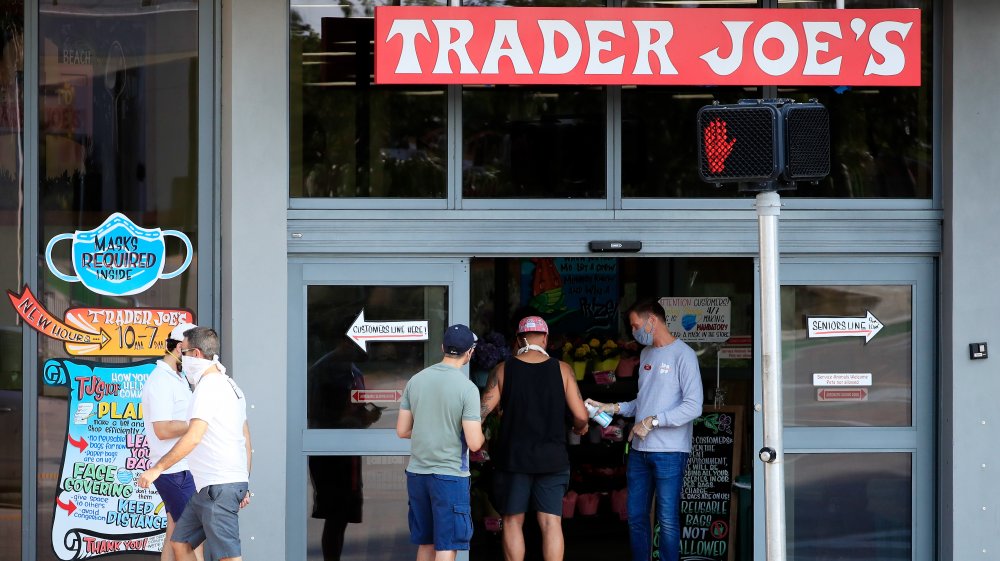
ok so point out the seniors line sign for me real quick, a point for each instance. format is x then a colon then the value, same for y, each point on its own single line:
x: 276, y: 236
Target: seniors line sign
x: 646, y: 46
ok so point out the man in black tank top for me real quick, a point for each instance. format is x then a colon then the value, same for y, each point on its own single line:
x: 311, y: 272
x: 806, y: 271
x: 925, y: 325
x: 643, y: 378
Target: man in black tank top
x: 534, y: 393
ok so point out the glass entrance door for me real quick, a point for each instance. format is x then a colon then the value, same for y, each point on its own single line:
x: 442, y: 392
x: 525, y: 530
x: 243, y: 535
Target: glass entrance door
x: 858, y: 373
x: 358, y: 331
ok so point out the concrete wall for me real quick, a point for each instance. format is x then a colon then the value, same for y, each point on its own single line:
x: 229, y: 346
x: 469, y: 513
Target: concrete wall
x: 970, y: 419
x: 254, y: 272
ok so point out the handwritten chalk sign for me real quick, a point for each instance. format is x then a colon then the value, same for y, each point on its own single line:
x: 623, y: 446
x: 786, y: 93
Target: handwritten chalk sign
x: 708, y: 499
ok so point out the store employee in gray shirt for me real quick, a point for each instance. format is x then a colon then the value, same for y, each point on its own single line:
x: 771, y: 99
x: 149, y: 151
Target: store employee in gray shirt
x: 669, y: 400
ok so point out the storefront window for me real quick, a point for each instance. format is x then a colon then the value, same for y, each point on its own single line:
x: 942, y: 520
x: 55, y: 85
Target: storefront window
x: 118, y: 124
x: 882, y: 137
x: 849, y: 506
x: 848, y: 355
x: 350, y: 138
x: 12, y: 273
x: 358, y: 363
x: 534, y: 142
x: 659, y: 148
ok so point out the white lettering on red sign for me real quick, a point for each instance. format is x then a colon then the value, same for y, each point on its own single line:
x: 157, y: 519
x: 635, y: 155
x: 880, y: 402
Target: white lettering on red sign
x: 607, y: 46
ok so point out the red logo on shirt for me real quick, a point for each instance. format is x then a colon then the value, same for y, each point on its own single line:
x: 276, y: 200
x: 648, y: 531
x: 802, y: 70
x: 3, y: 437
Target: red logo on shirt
x: 647, y: 367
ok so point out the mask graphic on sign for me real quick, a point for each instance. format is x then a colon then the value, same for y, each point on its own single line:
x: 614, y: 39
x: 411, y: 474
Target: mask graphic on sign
x: 118, y: 258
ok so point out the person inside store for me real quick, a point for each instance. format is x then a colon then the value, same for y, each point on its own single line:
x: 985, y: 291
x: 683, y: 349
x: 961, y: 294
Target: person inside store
x: 439, y: 413
x: 537, y: 394
x: 670, y: 398
x: 166, y: 396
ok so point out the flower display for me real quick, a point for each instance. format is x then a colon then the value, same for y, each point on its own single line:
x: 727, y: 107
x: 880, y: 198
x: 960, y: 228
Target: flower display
x: 490, y: 351
x: 610, y: 349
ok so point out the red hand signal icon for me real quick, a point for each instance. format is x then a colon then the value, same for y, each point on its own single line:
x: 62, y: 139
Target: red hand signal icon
x: 717, y: 146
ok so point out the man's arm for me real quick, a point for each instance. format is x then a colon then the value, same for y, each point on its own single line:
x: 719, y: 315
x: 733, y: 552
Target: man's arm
x: 574, y: 400
x: 246, y: 437
x: 491, y: 397
x: 165, y: 430
x: 181, y: 449
x: 474, y: 437
x: 404, y: 424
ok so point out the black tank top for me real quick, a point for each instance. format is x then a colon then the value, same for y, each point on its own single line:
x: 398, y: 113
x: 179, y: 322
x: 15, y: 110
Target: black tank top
x: 532, y: 435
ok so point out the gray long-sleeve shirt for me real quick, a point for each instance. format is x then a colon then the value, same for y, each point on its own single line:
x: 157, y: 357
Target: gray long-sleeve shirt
x: 670, y: 388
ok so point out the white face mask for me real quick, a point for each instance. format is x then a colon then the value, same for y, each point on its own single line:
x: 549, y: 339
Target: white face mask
x: 194, y: 367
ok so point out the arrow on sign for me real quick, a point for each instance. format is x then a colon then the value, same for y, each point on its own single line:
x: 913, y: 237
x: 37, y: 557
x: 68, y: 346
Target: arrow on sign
x: 68, y: 506
x: 865, y: 327
x: 361, y: 331
x: 365, y: 396
x: 81, y: 444
x: 854, y: 394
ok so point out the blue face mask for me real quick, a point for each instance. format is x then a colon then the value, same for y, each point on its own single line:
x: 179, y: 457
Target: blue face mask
x: 642, y: 336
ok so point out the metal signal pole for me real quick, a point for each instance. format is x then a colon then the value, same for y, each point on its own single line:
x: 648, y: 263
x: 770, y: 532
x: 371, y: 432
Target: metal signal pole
x: 768, y: 207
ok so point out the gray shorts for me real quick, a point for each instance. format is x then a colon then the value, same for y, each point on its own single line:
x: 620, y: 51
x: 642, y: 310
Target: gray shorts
x: 212, y: 516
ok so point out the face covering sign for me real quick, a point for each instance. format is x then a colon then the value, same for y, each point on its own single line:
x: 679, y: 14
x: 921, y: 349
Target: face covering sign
x: 99, y: 509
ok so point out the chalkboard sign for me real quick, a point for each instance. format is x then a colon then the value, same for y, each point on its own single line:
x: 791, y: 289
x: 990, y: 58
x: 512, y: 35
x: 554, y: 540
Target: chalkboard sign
x: 708, y: 500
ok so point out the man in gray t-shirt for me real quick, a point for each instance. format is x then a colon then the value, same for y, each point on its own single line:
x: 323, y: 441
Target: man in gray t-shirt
x: 669, y: 400
x: 439, y: 412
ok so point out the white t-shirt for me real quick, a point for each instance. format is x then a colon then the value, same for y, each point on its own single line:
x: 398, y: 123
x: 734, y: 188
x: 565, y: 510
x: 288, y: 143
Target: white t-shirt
x: 166, y: 396
x: 221, y: 456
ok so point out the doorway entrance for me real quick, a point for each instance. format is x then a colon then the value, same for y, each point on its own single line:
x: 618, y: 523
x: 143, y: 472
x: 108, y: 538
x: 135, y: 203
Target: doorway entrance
x: 709, y: 304
x: 859, y: 410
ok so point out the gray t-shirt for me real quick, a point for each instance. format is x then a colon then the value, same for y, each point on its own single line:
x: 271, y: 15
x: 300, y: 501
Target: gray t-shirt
x: 670, y: 388
x: 440, y: 397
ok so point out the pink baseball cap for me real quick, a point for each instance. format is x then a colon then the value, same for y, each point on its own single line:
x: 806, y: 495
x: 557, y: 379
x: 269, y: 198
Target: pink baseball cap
x: 532, y: 324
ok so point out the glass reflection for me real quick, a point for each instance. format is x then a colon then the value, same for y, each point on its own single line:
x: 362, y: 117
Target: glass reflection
x: 338, y: 367
x: 882, y: 141
x: 533, y: 142
x: 350, y: 138
x: 11, y: 277
x: 118, y: 105
x: 887, y: 357
x: 849, y: 506
x: 357, y: 507
x: 659, y: 152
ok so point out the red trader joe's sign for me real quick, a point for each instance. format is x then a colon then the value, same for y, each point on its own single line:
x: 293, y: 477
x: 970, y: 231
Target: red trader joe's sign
x: 646, y: 46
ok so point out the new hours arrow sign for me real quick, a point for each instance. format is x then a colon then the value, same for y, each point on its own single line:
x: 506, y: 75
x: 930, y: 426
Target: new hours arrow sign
x: 363, y: 332
x: 866, y: 327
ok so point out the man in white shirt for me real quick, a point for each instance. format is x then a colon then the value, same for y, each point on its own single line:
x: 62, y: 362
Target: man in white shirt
x: 217, y: 445
x: 166, y: 397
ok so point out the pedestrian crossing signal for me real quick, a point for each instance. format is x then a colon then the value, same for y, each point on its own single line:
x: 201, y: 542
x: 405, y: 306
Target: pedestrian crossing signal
x: 762, y: 141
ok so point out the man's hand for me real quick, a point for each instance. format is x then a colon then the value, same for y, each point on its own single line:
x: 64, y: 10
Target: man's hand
x: 246, y: 500
x: 608, y: 408
x: 582, y: 431
x: 149, y: 476
x: 641, y: 429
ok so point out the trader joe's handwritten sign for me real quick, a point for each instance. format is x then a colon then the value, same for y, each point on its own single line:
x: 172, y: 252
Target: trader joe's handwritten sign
x: 708, y: 501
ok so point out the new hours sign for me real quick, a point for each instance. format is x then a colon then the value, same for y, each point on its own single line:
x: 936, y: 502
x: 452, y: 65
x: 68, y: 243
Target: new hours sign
x: 646, y: 46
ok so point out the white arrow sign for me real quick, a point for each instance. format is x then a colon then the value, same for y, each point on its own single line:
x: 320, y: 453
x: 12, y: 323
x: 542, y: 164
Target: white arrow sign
x: 362, y: 332
x: 865, y: 327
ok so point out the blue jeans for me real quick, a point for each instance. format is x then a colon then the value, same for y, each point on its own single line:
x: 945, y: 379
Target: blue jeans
x: 662, y: 472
